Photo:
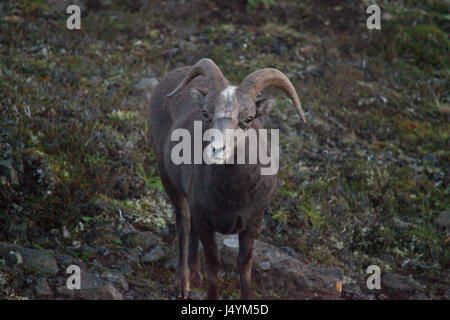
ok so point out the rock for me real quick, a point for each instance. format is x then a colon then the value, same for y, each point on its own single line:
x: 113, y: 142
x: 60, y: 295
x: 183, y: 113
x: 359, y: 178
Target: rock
x: 95, y: 80
x: 102, y: 292
x: 431, y: 159
x: 145, y: 86
x: 444, y: 219
x: 289, y: 251
x: 117, y: 278
x: 64, y: 261
x: 16, y: 284
x: 353, y: 291
x: 446, y: 294
x: 187, y: 46
x: 28, y: 293
x: 35, y: 260
x: 143, y: 240
x: 76, y: 244
x: 60, y: 6
x: 64, y: 292
x: 154, y: 255
x: 397, y: 286
x: 7, y: 170
x: 66, y: 233
x: 39, y: 262
x: 281, y: 272
x: 264, y: 265
x: 42, y: 289
x: 3, y: 280
x: 98, y: 4
x: 92, y: 288
x: 17, y: 231
x: 387, y: 258
x: 419, y: 296
x: 197, y: 295
x: 133, y: 255
x: 171, y: 264
x: 13, y: 258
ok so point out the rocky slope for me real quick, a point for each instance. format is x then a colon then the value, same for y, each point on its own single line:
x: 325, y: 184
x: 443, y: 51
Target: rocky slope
x: 366, y: 182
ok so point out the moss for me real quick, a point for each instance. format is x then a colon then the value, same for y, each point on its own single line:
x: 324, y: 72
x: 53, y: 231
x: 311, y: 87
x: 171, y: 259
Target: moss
x: 354, y: 182
x: 423, y: 45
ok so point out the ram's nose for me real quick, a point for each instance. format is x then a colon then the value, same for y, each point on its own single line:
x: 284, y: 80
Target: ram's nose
x: 218, y: 148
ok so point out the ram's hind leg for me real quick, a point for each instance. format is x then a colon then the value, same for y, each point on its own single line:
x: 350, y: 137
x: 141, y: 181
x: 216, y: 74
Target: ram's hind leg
x: 182, y: 215
x: 194, y: 262
x: 212, y: 258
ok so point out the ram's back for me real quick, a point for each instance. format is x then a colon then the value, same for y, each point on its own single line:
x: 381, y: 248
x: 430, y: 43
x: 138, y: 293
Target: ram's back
x: 164, y: 113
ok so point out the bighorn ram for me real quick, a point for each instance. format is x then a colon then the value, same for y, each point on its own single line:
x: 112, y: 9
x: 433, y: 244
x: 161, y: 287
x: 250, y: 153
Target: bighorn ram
x: 217, y: 197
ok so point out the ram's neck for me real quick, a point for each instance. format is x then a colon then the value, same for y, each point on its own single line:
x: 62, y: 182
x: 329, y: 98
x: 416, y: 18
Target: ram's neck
x: 233, y: 185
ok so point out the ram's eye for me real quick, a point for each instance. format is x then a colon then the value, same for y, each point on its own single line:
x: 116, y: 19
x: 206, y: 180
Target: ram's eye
x: 248, y: 120
x: 205, y: 114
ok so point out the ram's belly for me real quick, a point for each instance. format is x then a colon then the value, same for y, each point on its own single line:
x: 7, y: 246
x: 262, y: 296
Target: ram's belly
x: 228, y: 224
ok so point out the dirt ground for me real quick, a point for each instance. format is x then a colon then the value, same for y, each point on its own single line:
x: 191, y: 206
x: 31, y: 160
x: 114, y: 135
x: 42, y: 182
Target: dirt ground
x: 365, y: 182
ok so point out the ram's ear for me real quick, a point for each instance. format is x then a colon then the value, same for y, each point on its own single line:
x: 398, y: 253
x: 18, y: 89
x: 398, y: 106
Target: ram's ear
x: 198, y: 95
x: 264, y: 106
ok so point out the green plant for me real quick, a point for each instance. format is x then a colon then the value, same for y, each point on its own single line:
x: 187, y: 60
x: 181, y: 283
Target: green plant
x: 252, y: 4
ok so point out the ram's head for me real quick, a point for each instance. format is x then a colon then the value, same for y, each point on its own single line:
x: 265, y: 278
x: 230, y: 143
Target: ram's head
x: 227, y: 108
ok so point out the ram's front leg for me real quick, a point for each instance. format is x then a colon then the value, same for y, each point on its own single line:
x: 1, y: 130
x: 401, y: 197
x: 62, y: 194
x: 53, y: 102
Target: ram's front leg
x: 244, y: 261
x: 182, y: 280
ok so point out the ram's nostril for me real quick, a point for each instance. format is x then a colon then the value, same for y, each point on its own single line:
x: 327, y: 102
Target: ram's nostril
x: 215, y: 150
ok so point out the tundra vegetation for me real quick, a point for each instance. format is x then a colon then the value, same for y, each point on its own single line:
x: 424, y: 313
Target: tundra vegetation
x: 365, y: 182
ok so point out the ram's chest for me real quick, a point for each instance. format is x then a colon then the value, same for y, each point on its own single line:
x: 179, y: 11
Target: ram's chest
x: 230, y: 207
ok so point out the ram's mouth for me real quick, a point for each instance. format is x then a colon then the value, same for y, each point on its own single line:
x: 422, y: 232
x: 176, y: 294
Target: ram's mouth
x: 218, y: 157
x: 218, y: 160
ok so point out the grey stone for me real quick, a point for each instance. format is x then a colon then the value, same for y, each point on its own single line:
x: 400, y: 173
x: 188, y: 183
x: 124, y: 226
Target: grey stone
x: 92, y: 288
x: 143, y: 240
x: 36, y: 261
x: 171, y: 264
x: 187, y: 45
x: 39, y: 262
x: 281, y: 272
x: 289, y: 251
x: 397, y: 286
x: 446, y: 294
x: 444, y: 219
x: 145, y: 85
x: 17, y: 231
x: 2, y: 280
x: 117, y: 278
x: 13, y: 258
x: 28, y: 293
x: 66, y: 233
x: 154, y: 255
x: 387, y: 258
x: 264, y: 265
x: 42, y: 289
x: 431, y: 158
x: 7, y: 170
x: 60, y: 6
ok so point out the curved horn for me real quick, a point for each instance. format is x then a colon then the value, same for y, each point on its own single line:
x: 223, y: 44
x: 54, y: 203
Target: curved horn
x: 255, y: 82
x: 205, y: 67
